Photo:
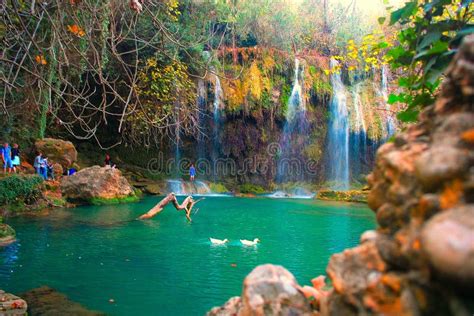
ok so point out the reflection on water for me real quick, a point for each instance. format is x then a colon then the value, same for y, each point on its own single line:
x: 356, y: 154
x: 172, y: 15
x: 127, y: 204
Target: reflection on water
x: 96, y: 253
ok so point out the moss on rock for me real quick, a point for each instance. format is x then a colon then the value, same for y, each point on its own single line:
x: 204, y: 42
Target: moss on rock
x: 346, y: 196
x: 7, y: 234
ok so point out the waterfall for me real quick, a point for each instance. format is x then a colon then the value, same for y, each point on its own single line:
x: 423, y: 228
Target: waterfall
x: 359, y: 122
x: 180, y: 187
x: 294, y: 135
x: 358, y: 135
x: 295, y: 102
x: 338, y: 134
x: 218, y: 97
x: 390, y: 125
x: 201, y: 105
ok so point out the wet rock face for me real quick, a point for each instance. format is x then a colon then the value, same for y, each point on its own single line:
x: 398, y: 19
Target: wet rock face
x: 96, y: 183
x: 58, y: 151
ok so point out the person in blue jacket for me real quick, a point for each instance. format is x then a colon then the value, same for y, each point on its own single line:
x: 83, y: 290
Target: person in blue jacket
x: 192, y: 172
x: 7, y: 158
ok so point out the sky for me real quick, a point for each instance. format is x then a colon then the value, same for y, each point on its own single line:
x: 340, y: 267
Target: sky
x: 371, y: 7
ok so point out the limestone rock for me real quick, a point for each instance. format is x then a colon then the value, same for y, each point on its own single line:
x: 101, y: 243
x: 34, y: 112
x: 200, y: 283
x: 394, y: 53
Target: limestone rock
x: 440, y: 163
x: 354, y: 269
x: 96, y: 183
x: 7, y: 235
x: 346, y: 196
x: 230, y: 308
x: 153, y: 189
x: 448, y: 241
x: 272, y: 290
x: 58, y: 170
x: 12, y: 305
x: 369, y: 235
x: 57, y: 150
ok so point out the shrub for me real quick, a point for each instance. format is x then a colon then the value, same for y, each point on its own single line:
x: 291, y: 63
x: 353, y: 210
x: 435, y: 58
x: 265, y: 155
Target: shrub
x: 251, y: 188
x: 18, y: 188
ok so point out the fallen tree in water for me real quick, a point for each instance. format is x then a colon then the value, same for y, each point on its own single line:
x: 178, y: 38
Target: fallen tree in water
x: 187, y: 206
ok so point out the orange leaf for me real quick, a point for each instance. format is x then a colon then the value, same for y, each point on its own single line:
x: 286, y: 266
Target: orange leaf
x: 451, y: 194
x: 40, y: 60
x: 468, y: 136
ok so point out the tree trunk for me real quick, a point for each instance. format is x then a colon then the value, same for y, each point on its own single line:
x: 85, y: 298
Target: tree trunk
x: 187, y: 206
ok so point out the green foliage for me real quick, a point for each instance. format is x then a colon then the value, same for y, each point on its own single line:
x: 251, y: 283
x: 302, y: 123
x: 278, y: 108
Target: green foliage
x: 251, y: 188
x: 20, y: 189
x: 431, y: 31
x: 218, y: 188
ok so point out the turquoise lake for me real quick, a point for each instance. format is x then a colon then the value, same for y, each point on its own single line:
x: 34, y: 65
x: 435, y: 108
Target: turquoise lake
x: 167, y: 266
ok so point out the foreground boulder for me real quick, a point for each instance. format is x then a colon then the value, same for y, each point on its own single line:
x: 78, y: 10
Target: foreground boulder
x: 12, y: 305
x: 267, y: 290
x: 58, y: 151
x: 95, y: 185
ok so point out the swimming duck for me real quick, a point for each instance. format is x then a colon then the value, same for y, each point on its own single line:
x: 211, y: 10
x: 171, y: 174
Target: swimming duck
x: 249, y: 242
x: 218, y: 241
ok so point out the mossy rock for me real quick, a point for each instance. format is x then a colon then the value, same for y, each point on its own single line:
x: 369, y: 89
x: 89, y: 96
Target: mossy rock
x: 345, y: 196
x: 251, y: 188
x: 58, y: 150
x: 7, y: 234
x: 117, y: 200
x: 218, y: 188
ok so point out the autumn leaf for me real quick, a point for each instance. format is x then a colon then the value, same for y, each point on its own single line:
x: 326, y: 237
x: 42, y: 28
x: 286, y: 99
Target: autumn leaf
x: 451, y: 194
x: 76, y: 30
x: 40, y: 60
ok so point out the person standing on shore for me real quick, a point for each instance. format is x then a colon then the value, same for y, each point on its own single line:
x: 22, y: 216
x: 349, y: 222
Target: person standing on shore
x: 15, y: 157
x: 192, y: 172
x: 7, y: 158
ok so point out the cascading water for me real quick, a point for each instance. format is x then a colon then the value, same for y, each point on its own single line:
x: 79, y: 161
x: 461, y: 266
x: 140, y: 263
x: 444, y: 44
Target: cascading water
x: 338, y: 134
x: 358, y: 135
x: 390, y: 125
x: 295, y: 102
x: 218, y: 96
x: 294, y: 134
x: 180, y: 187
x: 201, y: 104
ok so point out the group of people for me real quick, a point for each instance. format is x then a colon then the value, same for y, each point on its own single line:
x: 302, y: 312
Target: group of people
x: 43, y: 167
x: 11, y: 163
x: 10, y: 157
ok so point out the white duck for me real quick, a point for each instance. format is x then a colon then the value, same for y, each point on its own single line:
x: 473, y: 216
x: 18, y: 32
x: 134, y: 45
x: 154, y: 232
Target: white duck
x: 249, y: 242
x: 215, y: 241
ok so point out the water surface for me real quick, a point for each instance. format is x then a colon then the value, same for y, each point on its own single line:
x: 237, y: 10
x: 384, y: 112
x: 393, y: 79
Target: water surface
x: 166, y: 266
